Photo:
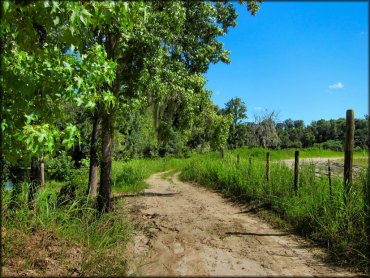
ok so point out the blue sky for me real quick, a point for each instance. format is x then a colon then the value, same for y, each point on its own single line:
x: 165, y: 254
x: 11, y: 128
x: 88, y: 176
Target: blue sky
x: 305, y: 60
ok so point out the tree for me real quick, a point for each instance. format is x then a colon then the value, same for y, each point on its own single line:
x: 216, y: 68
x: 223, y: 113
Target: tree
x: 264, y: 130
x: 238, y: 131
x: 33, y: 82
x: 41, y: 77
x: 105, y: 57
x: 237, y: 108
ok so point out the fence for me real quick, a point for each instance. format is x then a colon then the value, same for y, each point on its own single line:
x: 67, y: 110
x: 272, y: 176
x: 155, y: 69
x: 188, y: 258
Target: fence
x: 348, y: 160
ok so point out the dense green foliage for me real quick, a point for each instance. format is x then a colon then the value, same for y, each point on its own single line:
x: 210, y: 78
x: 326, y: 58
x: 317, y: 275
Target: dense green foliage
x: 68, y: 62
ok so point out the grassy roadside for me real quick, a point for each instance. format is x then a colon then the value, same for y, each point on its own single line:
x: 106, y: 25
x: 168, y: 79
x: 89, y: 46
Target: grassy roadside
x: 61, y: 238
x: 71, y: 239
x: 314, y: 211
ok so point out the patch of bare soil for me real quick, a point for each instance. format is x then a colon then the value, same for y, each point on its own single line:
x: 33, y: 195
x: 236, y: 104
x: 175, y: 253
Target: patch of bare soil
x: 313, y: 160
x: 40, y: 253
x: 321, y: 164
x: 185, y: 229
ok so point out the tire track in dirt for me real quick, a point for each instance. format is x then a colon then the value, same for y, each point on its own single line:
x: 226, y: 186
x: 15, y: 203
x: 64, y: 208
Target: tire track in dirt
x: 185, y: 229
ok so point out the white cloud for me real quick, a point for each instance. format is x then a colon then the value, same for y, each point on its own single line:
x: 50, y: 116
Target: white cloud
x: 338, y: 85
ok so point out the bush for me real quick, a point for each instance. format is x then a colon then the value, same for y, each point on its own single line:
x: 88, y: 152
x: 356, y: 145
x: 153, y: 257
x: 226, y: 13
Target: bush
x: 334, y: 145
x: 150, y: 151
x: 295, y: 144
x: 60, y: 167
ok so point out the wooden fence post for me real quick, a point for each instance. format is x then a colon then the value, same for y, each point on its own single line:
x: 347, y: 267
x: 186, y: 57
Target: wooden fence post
x: 222, y: 153
x: 42, y: 172
x: 296, y: 170
x: 348, y: 151
x: 238, y: 159
x: 249, y: 166
x: 329, y: 177
x: 267, y: 166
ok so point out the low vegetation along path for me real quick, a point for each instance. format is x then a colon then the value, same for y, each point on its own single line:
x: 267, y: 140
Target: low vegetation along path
x: 185, y: 229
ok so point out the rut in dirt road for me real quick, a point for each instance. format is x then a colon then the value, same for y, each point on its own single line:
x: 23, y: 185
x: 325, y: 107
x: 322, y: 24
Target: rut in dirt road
x: 185, y: 229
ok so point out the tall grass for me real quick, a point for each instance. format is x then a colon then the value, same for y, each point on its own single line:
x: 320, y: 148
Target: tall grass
x: 312, y: 211
x: 130, y: 176
x: 78, y: 221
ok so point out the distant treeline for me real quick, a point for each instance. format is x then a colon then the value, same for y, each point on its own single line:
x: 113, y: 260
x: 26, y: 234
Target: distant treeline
x: 328, y: 134
x: 265, y: 131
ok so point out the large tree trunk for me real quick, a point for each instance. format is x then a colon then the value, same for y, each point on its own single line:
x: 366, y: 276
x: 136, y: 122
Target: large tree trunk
x: 94, y: 162
x: 103, y: 200
x: 34, y: 179
x: 106, y: 162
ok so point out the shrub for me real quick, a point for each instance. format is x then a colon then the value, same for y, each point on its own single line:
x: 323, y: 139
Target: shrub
x: 60, y: 167
x: 334, y: 145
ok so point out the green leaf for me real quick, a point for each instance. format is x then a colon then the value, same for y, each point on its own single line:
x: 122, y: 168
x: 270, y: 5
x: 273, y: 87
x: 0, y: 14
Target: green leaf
x: 41, y: 138
x: 79, y: 81
x: 56, y: 20
x: 90, y: 104
x: 5, y: 6
x: 47, y: 64
x: 86, y: 12
x: 79, y: 101
x: 73, y: 15
x: 68, y: 67
x: 83, y: 20
x: 4, y: 125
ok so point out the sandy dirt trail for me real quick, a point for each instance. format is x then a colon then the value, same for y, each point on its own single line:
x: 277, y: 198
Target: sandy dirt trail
x: 185, y: 229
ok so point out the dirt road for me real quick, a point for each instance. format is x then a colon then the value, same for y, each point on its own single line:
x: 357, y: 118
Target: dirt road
x: 185, y: 229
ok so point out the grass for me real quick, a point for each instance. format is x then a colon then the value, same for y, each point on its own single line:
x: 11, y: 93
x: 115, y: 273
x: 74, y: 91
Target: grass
x: 101, y: 237
x: 130, y: 176
x: 312, y: 211
x: 358, y: 161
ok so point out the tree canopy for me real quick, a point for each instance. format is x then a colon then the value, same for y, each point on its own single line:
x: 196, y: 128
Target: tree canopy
x: 108, y: 58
